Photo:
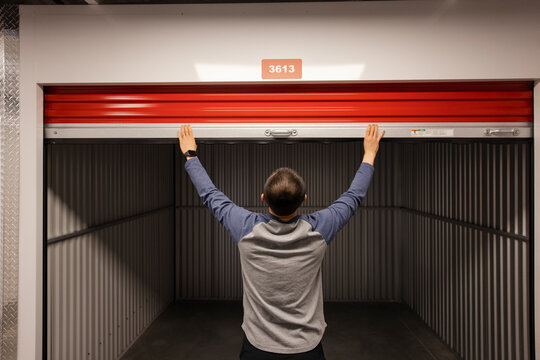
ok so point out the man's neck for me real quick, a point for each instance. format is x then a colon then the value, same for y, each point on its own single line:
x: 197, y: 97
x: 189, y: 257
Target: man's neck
x: 286, y: 217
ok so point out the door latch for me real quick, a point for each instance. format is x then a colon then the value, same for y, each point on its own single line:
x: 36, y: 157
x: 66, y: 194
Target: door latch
x: 501, y: 132
x: 280, y: 133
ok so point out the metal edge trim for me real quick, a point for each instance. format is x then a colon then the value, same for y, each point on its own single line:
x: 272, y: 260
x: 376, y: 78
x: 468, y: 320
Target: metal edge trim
x: 259, y: 130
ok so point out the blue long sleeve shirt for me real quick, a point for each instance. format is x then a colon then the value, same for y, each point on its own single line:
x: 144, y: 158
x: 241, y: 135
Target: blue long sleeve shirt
x: 281, y: 262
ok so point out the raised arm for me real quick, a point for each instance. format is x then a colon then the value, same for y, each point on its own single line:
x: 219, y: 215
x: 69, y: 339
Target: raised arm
x: 332, y: 219
x: 233, y: 217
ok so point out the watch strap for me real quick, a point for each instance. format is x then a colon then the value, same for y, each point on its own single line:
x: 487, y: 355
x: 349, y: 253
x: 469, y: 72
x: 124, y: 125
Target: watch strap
x: 190, y: 153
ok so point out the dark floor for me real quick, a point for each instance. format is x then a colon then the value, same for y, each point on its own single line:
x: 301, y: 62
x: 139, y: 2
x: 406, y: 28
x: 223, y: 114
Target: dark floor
x: 211, y: 330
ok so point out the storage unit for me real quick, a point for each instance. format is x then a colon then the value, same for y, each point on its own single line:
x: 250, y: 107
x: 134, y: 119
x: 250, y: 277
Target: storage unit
x: 445, y: 228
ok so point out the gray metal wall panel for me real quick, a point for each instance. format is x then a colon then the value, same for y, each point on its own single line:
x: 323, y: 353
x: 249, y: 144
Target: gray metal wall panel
x: 94, y: 184
x: 209, y: 265
x: 328, y: 168
x: 479, y: 183
x: 466, y: 245
x: 106, y: 286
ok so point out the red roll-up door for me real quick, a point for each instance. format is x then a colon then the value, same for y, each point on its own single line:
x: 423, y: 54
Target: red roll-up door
x: 446, y: 102
x: 425, y: 102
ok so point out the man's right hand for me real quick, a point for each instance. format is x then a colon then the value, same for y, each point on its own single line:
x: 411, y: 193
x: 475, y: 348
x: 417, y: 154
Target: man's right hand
x: 371, y: 143
x: 186, y: 139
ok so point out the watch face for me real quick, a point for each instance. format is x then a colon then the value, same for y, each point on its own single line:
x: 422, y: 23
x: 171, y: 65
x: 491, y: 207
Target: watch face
x: 190, y: 153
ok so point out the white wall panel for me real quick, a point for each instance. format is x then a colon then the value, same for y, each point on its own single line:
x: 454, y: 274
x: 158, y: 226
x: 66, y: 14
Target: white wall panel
x: 393, y: 40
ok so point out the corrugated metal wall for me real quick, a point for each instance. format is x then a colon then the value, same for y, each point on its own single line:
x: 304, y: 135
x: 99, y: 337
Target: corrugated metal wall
x: 444, y: 228
x: 363, y: 263
x: 466, y: 244
x: 110, y: 246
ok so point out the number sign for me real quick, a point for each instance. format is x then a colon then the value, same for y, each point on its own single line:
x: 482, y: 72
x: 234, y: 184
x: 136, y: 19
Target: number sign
x: 281, y: 68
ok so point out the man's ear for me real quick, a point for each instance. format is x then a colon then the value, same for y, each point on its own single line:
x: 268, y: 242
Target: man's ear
x: 262, y: 197
x: 305, y: 198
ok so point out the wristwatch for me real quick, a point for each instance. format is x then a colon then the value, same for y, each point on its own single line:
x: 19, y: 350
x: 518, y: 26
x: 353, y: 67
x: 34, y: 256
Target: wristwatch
x: 190, y: 153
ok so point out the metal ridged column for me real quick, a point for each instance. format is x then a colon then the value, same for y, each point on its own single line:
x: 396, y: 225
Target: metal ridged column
x: 466, y: 244
x: 362, y: 262
x: 110, y: 262
x: 9, y: 179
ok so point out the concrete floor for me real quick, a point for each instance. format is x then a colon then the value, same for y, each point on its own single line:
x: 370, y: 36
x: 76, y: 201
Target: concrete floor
x: 211, y: 330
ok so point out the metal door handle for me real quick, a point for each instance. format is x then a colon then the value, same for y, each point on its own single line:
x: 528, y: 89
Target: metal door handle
x: 281, y: 132
x: 501, y: 132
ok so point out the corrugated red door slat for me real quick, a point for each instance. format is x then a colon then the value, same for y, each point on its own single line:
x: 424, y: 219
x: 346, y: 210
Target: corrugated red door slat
x: 414, y: 102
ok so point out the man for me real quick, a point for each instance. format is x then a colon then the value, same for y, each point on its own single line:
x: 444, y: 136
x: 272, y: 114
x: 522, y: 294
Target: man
x: 281, y: 253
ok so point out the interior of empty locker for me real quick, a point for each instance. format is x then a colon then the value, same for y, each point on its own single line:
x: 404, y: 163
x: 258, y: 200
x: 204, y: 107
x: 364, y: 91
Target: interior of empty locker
x: 434, y: 264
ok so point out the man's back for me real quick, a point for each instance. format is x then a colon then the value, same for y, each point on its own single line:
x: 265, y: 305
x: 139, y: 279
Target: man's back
x: 281, y: 274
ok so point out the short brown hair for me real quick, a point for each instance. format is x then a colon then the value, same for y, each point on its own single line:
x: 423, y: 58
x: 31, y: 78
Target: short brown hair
x: 284, y: 191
